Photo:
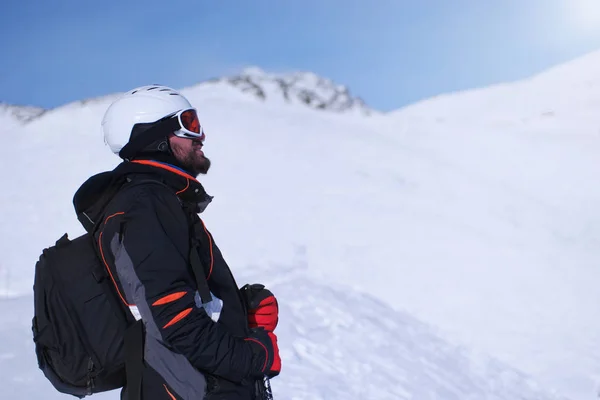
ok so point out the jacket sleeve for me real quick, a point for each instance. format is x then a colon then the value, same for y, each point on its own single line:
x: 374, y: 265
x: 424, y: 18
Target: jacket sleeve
x: 150, y: 244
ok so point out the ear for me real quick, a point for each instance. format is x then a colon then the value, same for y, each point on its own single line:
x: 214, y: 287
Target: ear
x: 170, y: 138
x: 164, y: 145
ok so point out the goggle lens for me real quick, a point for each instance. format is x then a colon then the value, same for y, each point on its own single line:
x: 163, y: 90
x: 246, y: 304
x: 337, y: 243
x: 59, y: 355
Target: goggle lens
x: 189, y: 120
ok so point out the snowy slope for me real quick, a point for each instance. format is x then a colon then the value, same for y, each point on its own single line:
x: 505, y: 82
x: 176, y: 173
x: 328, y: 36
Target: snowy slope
x: 565, y: 91
x: 335, y: 345
x: 468, y: 212
x: 526, y: 155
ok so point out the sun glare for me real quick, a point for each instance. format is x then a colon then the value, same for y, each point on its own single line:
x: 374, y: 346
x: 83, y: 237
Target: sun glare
x: 585, y: 14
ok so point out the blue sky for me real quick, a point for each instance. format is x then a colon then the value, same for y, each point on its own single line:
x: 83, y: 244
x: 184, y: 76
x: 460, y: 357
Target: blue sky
x: 389, y: 52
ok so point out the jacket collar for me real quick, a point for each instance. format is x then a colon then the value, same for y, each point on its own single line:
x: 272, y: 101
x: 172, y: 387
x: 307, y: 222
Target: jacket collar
x: 94, y: 194
x: 185, y: 186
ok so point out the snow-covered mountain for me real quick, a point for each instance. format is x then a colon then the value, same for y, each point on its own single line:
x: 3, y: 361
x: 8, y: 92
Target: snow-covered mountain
x: 304, y: 88
x: 11, y: 115
x: 470, y: 214
x: 295, y: 88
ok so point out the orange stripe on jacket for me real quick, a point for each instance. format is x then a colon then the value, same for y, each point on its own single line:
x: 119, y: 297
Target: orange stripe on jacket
x: 185, y: 188
x: 178, y: 317
x: 106, y: 264
x: 212, y: 260
x: 169, y: 298
x: 168, y: 168
x: 169, y: 393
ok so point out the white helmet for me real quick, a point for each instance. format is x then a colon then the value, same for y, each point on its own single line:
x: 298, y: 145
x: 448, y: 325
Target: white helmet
x: 142, y: 105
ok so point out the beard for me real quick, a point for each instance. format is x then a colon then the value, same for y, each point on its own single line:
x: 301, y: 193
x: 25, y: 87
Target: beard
x: 192, y: 160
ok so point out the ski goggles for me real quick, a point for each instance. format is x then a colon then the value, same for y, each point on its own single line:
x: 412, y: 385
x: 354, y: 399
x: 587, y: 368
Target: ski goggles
x: 185, y: 124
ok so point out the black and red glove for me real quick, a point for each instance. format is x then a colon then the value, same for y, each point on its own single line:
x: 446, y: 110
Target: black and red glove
x: 263, y: 310
x: 266, y: 360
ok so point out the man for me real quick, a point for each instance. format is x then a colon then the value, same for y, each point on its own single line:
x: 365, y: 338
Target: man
x: 203, y: 337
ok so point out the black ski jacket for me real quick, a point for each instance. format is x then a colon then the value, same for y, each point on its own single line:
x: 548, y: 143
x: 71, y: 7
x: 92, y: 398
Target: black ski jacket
x: 192, y: 351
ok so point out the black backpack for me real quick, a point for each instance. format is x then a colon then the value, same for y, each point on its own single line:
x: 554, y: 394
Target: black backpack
x: 78, y: 325
x: 86, y: 342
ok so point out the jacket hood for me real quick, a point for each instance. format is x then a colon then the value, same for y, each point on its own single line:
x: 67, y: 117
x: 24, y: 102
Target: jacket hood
x: 94, y: 194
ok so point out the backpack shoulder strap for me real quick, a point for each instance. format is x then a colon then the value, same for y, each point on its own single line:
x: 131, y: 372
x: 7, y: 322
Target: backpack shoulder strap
x: 195, y: 262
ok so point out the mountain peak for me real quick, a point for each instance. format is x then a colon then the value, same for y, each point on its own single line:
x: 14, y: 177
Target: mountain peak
x: 298, y: 87
x: 20, y: 113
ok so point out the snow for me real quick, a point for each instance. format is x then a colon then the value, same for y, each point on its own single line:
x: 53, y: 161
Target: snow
x: 336, y: 344
x: 448, y: 249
